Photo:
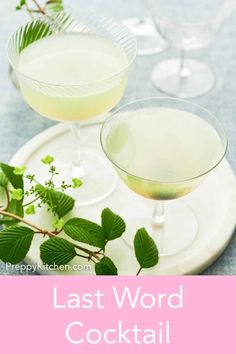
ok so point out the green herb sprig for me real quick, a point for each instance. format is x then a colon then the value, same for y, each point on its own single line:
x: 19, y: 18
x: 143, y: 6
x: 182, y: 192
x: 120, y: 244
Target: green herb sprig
x: 33, y: 7
x: 17, y: 234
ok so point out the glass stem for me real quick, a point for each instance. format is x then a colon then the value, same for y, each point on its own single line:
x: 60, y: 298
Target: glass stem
x: 141, y: 20
x: 141, y: 8
x: 158, y: 213
x: 184, y: 72
x: 77, y: 167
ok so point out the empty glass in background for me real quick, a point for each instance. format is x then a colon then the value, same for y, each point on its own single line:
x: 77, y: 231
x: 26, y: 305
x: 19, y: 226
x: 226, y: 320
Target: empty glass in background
x: 187, y: 25
x: 65, y: 93
x: 148, y: 38
x: 162, y: 149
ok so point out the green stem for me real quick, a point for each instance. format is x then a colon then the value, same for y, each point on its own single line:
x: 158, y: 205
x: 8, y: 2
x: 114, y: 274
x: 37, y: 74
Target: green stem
x: 48, y: 233
x: 57, y: 232
x: 28, y: 9
x: 82, y: 256
x: 33, y: 11
x: 32, y: 201
x: 85, y: 250
x: 18, y: 218
x: 139, y: 271
x: 86, y: 257
x: 102, y: 249
x: 8, y: 197
x: 39, y: 7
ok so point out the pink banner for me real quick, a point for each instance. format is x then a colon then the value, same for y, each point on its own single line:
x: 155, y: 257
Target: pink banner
x: 71, y: 315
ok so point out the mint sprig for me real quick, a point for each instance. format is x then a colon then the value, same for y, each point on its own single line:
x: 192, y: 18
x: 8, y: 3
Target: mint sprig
x: 18, y: 232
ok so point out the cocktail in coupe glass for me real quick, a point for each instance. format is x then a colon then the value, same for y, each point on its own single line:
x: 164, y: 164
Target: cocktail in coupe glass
x: 72, y: 68
x: 163, y: 148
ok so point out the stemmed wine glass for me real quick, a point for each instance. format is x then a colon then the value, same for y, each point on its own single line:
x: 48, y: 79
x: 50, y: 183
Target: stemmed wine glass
x: 162, y: 149
x: 187, y: 25
x: 149, y: 39
x: 72, y: 68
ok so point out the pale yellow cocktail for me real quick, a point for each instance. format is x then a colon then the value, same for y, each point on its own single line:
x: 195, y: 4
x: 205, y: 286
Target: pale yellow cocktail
x: 73, y: 60
x: 73, y: 67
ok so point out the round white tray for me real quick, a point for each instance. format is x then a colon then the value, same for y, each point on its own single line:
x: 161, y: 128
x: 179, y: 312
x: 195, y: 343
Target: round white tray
x: 214, y: 203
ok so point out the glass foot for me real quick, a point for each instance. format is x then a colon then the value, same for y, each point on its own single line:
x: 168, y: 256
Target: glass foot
x: 177, y: 233
x: 196, y: 80
x: 98, y: 177
x: 149, y: 40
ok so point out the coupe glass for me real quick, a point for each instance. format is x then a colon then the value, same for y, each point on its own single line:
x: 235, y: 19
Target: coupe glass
x: 76, y: 100
x: 187, y: 25
x: 148, y: 38
x: 162, y: 149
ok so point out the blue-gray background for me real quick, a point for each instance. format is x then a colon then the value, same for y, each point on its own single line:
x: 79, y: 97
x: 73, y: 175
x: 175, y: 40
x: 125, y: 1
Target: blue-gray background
x: 18, y: 123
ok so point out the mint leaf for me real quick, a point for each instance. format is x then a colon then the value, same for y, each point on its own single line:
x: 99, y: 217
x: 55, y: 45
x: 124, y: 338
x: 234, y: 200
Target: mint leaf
x: 113, y: 225
x: 15, y: 180
x: 42, y: 27
x: 3, y: 180
x: 85, y: 231
x: 15, y: 243
x: 106, y: 267
x: 8, y: 221
x: 15, y: 207
x: 32, y: 32
x: 145, y: 249
x: 60, y: 203
x: 57, y: 251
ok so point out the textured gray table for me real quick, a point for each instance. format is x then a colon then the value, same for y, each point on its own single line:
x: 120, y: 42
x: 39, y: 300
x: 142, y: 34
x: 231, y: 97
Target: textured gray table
x: 18, y: 123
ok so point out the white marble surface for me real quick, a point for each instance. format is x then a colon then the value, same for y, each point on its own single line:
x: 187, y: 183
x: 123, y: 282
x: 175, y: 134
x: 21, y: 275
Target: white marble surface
x: 213, y: 204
